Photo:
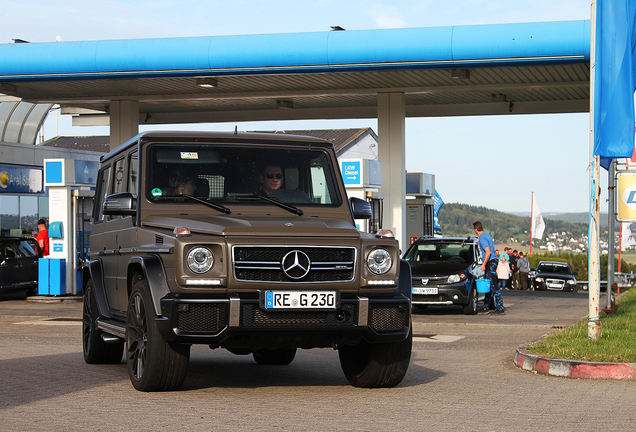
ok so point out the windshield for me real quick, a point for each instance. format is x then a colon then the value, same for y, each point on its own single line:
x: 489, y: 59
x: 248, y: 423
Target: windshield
x: 232, y: 174
x: 436, y: 252
x: 563, y: 269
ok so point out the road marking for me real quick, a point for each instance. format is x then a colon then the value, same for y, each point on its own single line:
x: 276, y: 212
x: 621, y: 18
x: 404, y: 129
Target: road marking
x: 436, y: 338
x: 53, y: 322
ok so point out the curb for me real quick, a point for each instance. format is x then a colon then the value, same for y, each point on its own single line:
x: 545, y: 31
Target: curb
x: 572, y: 368
x: 54, y: 299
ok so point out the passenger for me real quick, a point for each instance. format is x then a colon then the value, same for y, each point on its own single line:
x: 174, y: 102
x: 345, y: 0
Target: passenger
x: 181, y: 183
x: 489, y: 267
x: 271, y: 179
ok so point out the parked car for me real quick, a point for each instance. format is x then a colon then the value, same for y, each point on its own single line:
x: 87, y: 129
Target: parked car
x: 19, y: 264
x: 442, y: 272
x: 555, y: 276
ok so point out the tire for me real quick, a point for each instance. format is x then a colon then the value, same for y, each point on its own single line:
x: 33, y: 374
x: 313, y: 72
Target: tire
x: 376, y: 365
x: 471, y: 307
x: 280, y: 356
x: 153, y: 364
x: 96, y: 351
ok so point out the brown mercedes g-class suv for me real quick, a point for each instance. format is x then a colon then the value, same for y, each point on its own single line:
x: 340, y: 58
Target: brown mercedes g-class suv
x: 239, y: 241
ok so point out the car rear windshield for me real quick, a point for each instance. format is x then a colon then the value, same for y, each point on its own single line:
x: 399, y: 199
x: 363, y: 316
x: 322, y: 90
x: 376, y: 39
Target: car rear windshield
x: 231, y: 174
x: 563, y: 269
x: 435, y: 252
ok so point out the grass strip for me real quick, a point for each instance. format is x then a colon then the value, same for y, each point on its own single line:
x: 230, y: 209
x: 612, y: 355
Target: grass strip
x: 617, y: 344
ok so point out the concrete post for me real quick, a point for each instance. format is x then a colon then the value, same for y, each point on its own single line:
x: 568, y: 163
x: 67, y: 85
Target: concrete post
x: 124, y: 121
x: 391, y: 151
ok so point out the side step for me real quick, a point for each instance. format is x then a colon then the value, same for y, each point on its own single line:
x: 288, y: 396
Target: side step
x: 111, y: 327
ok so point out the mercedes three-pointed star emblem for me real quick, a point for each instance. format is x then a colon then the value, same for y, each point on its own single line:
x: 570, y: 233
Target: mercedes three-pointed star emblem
x: 296, y: 264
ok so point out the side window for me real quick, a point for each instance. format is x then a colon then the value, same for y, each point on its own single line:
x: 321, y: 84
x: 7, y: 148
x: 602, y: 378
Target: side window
x: 118, y: 185
x: 103, y: 188
x: 132, y: 173
x: 11, y: 251
x: 319, y: 185
x: 27, y: 248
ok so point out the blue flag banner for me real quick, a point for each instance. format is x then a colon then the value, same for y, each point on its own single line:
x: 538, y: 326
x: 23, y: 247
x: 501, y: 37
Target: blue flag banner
x: 438, y: 203
x: 614, y: 80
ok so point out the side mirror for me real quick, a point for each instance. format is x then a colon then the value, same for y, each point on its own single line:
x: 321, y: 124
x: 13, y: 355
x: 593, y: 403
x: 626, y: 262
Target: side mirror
x: 575, y: 273
x: 120, y: 204
x: 361, y: 209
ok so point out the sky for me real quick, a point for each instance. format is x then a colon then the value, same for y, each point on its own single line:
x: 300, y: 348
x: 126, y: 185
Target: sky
x: 490, y: 161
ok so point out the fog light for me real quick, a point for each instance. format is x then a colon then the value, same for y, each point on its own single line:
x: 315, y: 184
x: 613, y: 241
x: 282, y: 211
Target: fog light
x: 381, y: 282
x: 455, y: 297
x: 203, y: 282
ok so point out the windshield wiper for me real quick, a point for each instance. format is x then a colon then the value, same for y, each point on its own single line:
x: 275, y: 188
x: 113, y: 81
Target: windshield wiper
x: 210, y: 204
x: 288, y: 207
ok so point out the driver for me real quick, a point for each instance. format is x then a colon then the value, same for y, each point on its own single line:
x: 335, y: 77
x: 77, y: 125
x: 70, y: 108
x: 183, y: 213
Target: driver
x: 271, y: 179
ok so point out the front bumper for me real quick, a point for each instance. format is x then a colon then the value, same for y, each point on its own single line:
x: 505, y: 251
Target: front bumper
x: 238, y: 322
x: 447, y: 294
x: 554, y: 285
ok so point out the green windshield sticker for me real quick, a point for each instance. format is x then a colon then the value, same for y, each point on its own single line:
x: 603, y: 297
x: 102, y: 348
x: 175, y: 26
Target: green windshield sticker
x: 156, y: 192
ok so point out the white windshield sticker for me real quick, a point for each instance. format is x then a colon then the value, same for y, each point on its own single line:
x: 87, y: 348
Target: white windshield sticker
x: 189, y: 155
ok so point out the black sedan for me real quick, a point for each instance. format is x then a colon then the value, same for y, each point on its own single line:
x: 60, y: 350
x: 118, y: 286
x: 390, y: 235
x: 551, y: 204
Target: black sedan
x: 555, y: 276
x: 19, y: 264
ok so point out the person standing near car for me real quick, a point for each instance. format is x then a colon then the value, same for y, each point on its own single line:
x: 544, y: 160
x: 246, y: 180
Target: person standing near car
x: 514, y: 270
x: 524, y: 269
x: 43, y: 237
x: 503, y: 271
x: 489, y: 267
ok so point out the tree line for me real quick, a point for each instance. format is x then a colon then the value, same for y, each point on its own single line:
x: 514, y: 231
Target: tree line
x: 457, y: 220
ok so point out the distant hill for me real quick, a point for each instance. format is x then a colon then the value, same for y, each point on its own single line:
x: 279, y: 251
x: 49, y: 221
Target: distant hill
x: 577, y: 218
x: 457, y: 220
x: 568, y: 217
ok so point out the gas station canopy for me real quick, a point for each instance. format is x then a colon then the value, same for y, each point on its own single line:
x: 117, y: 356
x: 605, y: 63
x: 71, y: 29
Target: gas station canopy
x: 442, y: 71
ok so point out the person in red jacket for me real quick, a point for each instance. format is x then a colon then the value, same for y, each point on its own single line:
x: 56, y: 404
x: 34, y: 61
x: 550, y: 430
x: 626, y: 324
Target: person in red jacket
x: 43, y: 237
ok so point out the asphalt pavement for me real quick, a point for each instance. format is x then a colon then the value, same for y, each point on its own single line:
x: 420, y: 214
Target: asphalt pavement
x: 462, y: 376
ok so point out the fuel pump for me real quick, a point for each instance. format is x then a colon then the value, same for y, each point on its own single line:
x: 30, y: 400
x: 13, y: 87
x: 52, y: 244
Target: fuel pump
x: 71, y: 186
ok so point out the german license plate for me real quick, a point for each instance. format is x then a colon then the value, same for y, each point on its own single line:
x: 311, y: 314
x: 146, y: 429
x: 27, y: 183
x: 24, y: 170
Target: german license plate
x: 316, y: 300
x: 427, y: 290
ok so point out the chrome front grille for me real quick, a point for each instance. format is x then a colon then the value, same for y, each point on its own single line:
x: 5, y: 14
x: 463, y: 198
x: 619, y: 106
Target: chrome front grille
x: 264, y: 263
x: 555, y: 283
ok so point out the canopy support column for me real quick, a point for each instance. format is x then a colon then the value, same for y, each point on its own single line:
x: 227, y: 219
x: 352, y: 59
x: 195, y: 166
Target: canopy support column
x: 392, y: 153
x: 124, y: 121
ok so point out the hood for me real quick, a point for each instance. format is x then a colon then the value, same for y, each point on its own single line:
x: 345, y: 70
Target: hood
x: 439, y: 268
x: 233, y: 225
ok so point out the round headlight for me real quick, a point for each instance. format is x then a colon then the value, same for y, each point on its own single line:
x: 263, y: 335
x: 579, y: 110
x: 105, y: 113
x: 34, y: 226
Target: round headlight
x: 379, y: 261
x: 200, y: 259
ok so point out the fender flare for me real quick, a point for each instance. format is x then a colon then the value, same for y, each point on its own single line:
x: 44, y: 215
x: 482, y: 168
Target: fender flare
x: 96, y: 272
x: 405, y: 282
x: 155, y: 276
